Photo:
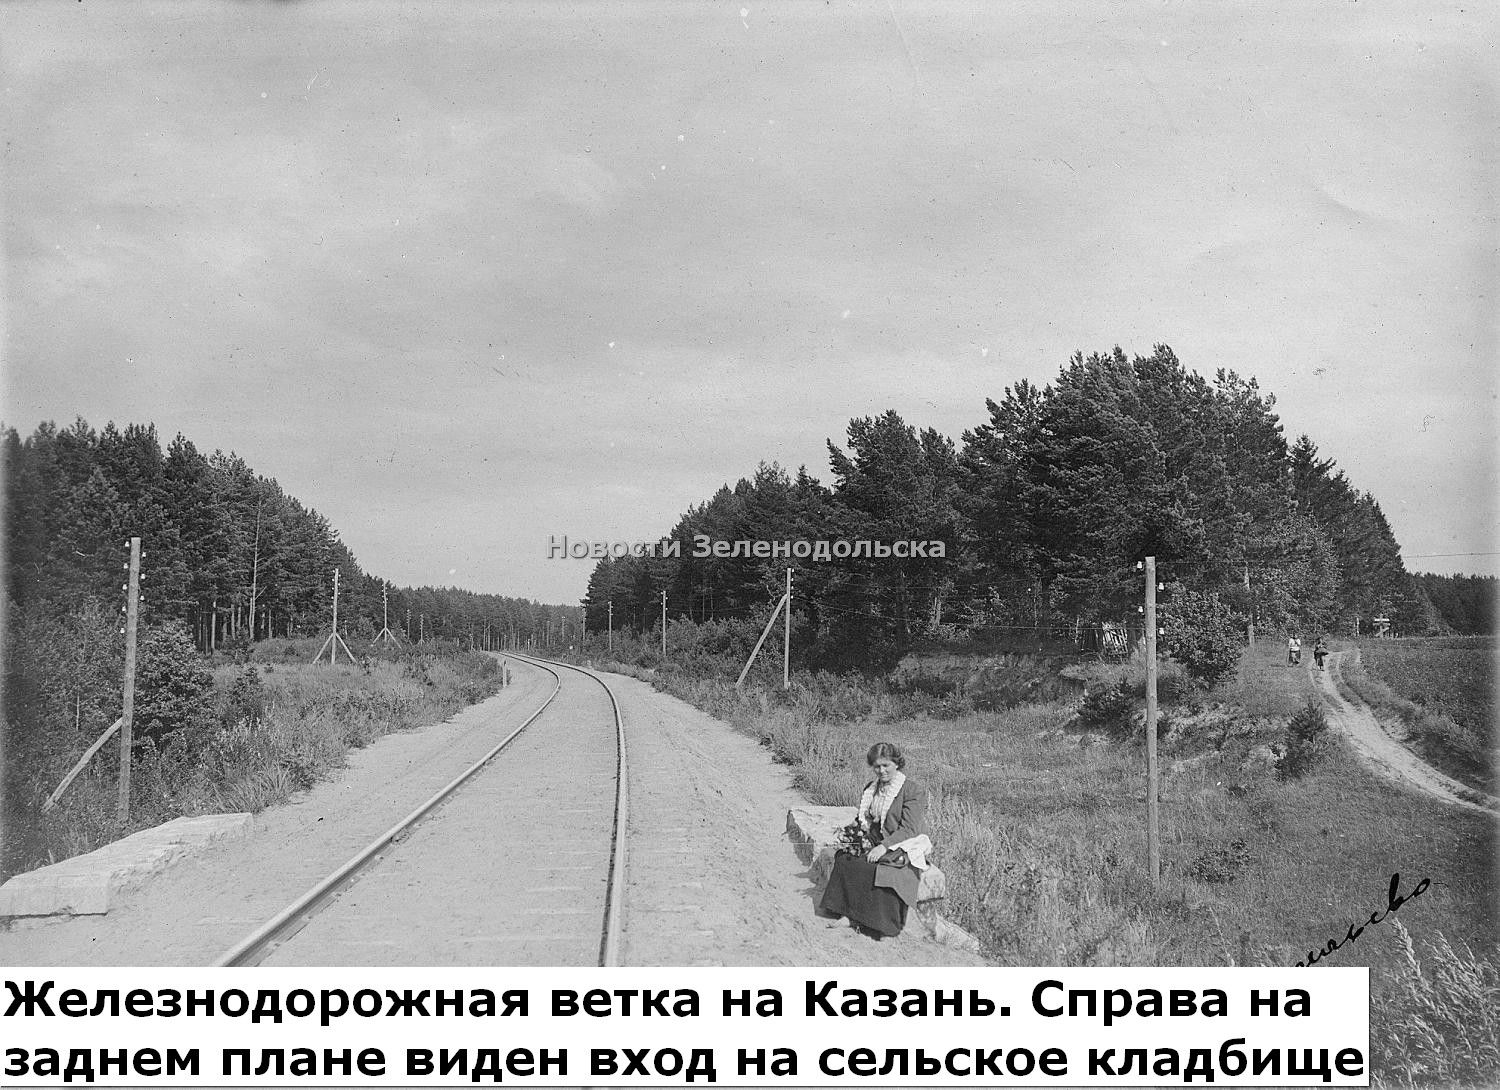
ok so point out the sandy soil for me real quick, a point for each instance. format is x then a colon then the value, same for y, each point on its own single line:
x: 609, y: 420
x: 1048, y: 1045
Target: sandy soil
x: 202, y: 905
x: 712, y: 879
x: 511, y: 869
x: 1384, y: 753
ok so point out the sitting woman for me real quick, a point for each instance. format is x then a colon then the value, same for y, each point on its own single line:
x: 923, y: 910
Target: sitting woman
x: 875, y: 877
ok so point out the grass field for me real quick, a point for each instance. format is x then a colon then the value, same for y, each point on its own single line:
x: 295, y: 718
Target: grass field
x: 1040, y: 828
x: 1440, y: 694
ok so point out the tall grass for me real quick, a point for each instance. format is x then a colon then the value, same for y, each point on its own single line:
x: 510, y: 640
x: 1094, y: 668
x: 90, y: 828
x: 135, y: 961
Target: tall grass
x: 268, y: 738
x: 1439, y: 1018
x: 1039, y: 827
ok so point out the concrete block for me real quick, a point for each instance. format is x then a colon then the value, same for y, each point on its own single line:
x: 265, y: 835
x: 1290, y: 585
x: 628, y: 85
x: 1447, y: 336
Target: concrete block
x: 814, y: 832
x: 85, y: 884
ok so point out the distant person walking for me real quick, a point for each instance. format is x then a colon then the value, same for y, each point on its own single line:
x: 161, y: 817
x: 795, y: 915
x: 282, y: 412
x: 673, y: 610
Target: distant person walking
x: 1320, y: 651
x: 1294, y: 650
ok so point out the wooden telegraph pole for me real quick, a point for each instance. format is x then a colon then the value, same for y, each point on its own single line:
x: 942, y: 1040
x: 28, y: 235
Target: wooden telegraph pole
x: 664, y: 623
x: 610, y: 639
x: 1249, y: 604
x: 786, y: 637
x: 127, y: 715
x: 255, y: 570
x: 334, y: 640
x: 1153, y: 831
x: 386, y: 635
x: 786, y: 602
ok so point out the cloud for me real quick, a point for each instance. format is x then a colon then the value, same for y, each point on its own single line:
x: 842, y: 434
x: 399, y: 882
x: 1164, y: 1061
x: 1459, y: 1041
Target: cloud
x: 385, y: 258
x: 578, y: 181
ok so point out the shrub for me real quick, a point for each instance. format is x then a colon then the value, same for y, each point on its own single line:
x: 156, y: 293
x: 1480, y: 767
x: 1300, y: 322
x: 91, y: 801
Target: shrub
x: 245, y: 699
x: 1306, y: 741
x: 173, y: 692
x: 1110, y: 709
x: 1202, y: 634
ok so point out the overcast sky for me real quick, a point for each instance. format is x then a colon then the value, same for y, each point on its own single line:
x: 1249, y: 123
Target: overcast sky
x: 463, y: 276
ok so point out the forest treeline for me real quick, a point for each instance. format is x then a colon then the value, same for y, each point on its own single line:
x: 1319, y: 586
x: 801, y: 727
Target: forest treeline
x: 229, y: 559
x: 227, y: 551
x: 1044, y: 510
x: 1465, y: 604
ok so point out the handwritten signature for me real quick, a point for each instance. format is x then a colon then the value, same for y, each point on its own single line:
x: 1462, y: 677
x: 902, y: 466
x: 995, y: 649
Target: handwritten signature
x: 1393, y: 902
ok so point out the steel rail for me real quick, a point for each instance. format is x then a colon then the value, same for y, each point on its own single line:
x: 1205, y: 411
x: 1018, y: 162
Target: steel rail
x: 614, y: 900
x: 255, y: 946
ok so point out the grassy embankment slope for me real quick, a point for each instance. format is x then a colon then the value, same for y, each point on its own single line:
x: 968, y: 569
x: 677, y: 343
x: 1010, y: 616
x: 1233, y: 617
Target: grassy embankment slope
x: 278, y: 725
x: 1040, y: 827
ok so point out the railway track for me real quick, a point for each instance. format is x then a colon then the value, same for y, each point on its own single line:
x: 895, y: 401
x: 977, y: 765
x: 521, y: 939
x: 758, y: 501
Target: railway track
x: 518, y: 860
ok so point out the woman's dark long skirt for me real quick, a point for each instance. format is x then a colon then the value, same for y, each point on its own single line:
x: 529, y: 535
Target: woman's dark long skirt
x: 852, y: 892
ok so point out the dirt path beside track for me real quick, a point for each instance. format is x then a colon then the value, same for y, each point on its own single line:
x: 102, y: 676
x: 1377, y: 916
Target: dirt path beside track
x: 200, y: 906
x: 711, y: 877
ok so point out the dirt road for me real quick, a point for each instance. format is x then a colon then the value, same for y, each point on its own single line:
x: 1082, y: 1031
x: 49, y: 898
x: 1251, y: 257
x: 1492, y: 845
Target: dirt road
x: 1384, y: 753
